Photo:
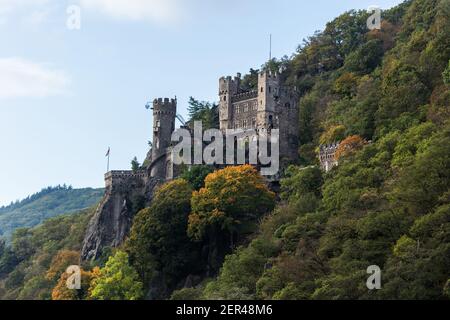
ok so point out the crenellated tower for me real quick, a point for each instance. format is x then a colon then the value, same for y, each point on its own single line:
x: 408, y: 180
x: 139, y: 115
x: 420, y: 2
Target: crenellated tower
x: 164, y: 114
x: 268, y: 95
x: 228, y: 88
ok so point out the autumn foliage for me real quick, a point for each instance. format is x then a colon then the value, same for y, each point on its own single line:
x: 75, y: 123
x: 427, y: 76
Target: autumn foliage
x: 349, y: 145
x: 231, y: 198
x: 62, y: 292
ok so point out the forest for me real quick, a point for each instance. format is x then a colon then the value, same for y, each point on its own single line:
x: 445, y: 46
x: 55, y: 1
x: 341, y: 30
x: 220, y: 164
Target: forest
x: 385, y: 95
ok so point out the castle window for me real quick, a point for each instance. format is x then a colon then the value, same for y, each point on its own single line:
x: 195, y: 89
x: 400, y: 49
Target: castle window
x: 224, y: 98
x: 287, y: 105
x: 270, y: 89
x: 262, y: 89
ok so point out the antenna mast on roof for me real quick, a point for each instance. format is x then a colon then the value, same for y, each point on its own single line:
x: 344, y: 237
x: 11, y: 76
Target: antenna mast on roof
x: 270, y: 47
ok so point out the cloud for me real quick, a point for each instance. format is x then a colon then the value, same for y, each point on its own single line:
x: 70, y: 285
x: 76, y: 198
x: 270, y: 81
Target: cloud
x: 159, y: 11
x: 23, y: 78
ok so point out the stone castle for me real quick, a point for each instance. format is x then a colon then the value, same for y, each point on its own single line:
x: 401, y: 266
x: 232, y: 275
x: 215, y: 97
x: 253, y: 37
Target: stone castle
x: 327, y: 156
x: 272, y: 105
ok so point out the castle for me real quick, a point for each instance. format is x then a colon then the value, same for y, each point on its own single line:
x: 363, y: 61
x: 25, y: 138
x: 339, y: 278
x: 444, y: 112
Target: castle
x: 327, y: 156
x: 271, y: 105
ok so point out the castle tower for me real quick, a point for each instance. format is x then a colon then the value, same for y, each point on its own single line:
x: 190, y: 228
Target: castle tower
x: 268, y: 94
x: 164, y: 114
x: 228, y: 87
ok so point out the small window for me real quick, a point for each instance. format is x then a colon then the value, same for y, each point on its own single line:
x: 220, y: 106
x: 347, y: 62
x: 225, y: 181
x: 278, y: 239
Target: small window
x: 270, y: 89
x: 262, y: 89
x: 224, y: 98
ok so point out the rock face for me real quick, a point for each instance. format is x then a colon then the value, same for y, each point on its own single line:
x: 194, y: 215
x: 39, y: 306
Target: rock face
x: 126, y: 193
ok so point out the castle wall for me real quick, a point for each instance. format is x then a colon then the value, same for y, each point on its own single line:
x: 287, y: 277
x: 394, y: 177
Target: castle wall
x: 327, y: 156
x: 244, y: 114
x: 271, y: 106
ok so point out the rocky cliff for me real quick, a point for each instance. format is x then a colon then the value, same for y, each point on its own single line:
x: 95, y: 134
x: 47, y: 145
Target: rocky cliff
x: 113, y: 218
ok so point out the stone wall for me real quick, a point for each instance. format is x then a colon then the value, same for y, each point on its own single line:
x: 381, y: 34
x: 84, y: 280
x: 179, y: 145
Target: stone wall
x: 327, y: 156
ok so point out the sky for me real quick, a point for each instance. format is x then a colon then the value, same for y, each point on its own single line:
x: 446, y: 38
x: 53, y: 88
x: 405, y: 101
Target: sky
x: 69, y: 93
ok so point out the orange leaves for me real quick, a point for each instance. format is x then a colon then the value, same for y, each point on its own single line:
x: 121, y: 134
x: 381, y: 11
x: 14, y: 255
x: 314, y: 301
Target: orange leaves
x: 230, y: 195
x: 349, y: 145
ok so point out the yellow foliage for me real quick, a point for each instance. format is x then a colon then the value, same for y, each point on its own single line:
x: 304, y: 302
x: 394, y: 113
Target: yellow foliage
x: 230, y: 196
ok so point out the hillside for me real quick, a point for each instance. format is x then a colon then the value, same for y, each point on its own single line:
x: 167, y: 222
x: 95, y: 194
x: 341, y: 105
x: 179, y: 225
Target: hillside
x: 385, y: 95
x: 47, y: 203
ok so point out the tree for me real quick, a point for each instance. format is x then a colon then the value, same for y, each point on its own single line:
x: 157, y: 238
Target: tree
x: 250, y: 80
x: 228, y: 207
x: 346, y: 84
x: 117, y: 280
x: 333, y: 134
x: 60, y: 262
x: 196, y: 176
x: 349, y: 145
x: 158, y: 242
x: 366, y: 58
x: 135, y: 165
x: 206, y: 112
x: 302, y: 188
x: 62, y: 292
x: 446, y: 74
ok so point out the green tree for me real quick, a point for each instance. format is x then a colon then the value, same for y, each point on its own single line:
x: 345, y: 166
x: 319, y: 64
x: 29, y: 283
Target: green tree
x: 135, y: 165
x: 446, y: 74
x: 117, y: 280
x: 227, y: 208
x: 206, y: 112
x: 158, y: 244
x: 196, y: 175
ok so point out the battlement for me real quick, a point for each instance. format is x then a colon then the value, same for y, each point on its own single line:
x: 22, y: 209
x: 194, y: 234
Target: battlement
x: 229, y: 85
x: 269, y: 74
x: 114, y: 178
x: 252, y: 94
x: 165, y: 105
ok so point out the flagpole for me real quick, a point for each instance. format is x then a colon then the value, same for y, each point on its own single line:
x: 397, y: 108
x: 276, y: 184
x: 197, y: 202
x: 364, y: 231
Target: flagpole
x: 107, y: 164
x: 270, y: 47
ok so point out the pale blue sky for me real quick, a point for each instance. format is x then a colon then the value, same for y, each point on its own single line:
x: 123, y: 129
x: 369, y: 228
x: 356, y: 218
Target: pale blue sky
x: 65, y: 96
